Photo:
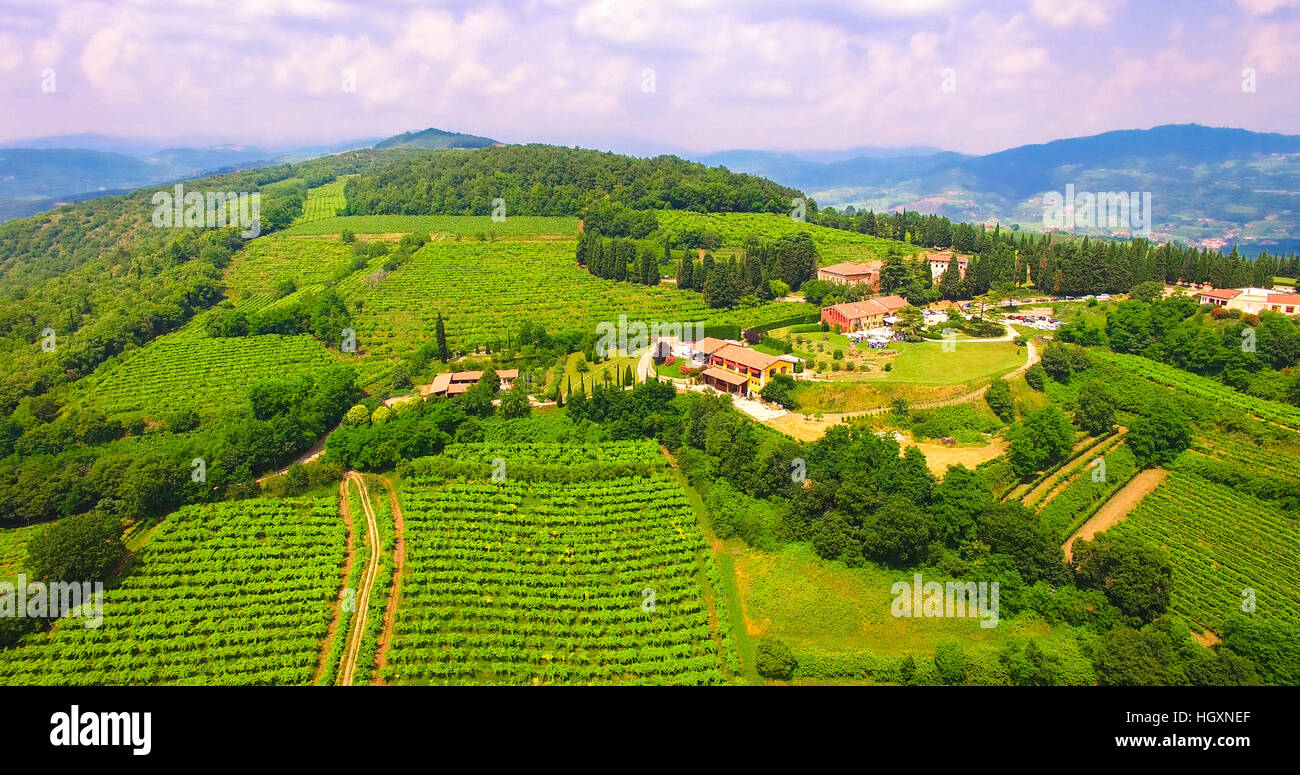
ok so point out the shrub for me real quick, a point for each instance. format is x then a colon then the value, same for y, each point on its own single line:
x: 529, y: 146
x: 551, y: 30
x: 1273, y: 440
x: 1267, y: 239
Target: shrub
x: 774, y: 659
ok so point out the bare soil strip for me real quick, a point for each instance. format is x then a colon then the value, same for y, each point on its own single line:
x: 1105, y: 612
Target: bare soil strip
x: 367, y: 582
x: 346, y: 510
x: 394, y: 592
x: 1118, y: 507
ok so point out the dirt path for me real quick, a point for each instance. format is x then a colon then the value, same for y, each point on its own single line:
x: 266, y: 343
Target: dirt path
x: 394, y: 592
x: 1118, y: 507
x: 345, y: 509
x: 367, y: 582
x: 313, y: 452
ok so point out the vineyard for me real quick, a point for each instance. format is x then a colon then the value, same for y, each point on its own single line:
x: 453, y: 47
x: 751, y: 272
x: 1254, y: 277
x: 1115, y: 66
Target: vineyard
x: 269, y: 260
x: 1203, y: 387
x: 239, y: 592
x: 455, y: 225
x: 833, y: 244
x: 544, y: 583
x: 1075, y: 502
x: 324, y: 201
x: 190, y: 369
x: 484, y: 290
x: 13, y: 549
x: 1221, y: 542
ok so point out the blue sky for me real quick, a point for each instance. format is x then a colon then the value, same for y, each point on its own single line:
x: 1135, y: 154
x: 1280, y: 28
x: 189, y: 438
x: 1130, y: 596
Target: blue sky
x: 647, y: 75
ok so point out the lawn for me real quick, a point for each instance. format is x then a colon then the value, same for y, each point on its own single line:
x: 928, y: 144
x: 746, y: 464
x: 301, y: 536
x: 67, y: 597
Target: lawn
x: 811, y: 603
x: 595, y: 373
x: 927, y: 363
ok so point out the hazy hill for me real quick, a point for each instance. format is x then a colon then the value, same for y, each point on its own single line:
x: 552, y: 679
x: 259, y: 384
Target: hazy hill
x: 1210, y: 186
x: 436, y: 140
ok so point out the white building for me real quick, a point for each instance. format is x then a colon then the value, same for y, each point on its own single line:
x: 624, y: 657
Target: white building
x: 939, y: 263
x: 1252, y: 301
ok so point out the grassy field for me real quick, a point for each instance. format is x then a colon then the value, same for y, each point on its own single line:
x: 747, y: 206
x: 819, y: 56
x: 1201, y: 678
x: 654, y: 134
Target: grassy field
x: 825, y: 611
x: 595, y: 373
x: 455, y: 225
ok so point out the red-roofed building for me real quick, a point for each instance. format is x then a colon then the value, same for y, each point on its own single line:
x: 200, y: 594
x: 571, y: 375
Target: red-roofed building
x: 1252, y: 301
x: 851, y: 273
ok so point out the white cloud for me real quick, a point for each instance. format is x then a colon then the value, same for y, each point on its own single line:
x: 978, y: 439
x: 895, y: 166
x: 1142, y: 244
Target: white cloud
x: 1263, y: 7
x: 1070, y: 13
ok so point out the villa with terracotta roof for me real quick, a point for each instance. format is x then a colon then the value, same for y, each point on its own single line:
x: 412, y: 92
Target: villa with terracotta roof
x: 862, y: 315
x: 701, y: 350
x: 457, y: 382
x: 852, y: 273
x: 1252, y: 301
x: 742, y: 370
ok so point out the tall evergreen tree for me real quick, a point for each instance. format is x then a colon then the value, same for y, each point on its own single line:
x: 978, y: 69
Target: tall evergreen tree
x: 440, y: 334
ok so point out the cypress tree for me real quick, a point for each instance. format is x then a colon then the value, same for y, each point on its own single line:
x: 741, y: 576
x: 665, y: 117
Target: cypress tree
x: 444, y: 354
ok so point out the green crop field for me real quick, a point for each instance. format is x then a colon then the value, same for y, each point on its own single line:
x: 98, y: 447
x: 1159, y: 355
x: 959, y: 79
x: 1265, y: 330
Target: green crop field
x: 456, y: 225
x: 239, y: 592
x: 190, y: 369
x: 1222, y: 542
x: 834, y: 245
x: 544, y: 583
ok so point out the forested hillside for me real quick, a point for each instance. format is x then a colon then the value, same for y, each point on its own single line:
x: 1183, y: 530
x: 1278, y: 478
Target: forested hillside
x: 550, y: 180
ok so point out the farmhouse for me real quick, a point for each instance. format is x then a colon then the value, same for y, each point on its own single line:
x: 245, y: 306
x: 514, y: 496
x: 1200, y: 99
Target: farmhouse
x: 453, y: 383
x: 743, y: 371
x: 862, y: 315
x: 939, y: 263
x: 1252, y: 300
x: 851, y: 273
x: 701, y: 350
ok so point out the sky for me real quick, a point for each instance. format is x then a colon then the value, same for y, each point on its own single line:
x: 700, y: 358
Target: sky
x: 647, y: 76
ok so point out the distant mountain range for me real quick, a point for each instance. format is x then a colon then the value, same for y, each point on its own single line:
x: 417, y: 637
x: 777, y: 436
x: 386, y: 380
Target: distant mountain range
x: 48, y: 171
x: 1210, y: 186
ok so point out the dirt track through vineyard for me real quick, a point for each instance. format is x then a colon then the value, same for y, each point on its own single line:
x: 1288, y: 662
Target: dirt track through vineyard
x: 394, y: 593
x: 367, y: 582
x: 346, y: 510
x: 1118, y: 507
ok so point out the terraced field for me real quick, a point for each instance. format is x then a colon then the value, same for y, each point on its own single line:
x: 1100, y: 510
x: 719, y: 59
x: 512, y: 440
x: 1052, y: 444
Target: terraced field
x: 544, y: 583
x: 1074, y: 502
x: 239, y: 592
